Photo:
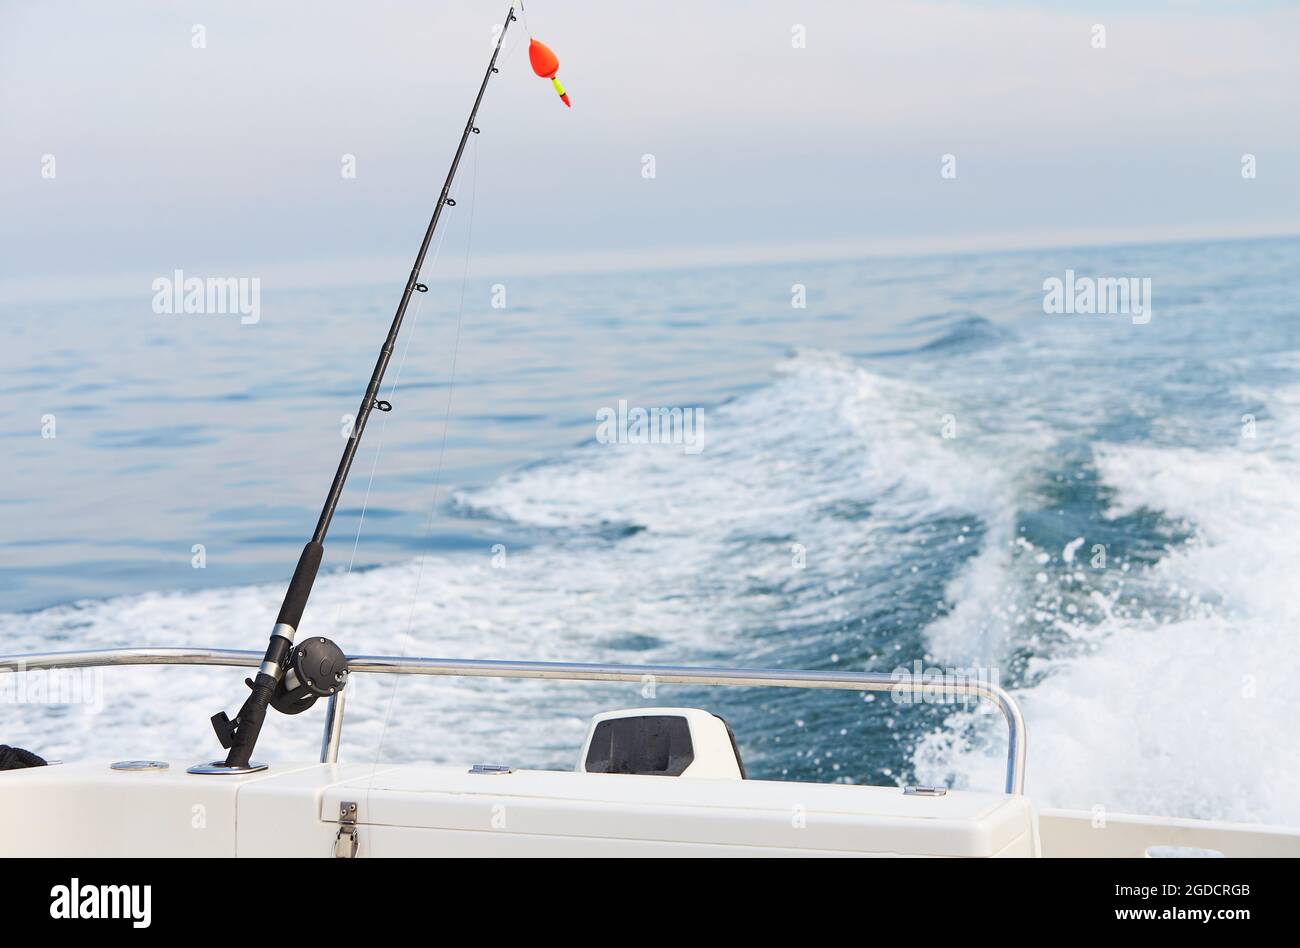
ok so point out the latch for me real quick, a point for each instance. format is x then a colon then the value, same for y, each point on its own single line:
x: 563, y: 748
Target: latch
x: 345, y: 843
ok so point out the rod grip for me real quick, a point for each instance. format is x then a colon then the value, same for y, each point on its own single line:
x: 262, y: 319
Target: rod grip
x: 304, y: 574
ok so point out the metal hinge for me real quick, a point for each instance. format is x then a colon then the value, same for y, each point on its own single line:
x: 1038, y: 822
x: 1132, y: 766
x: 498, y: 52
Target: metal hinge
x: 345, y: 843
x: 925, y: 791
x: 495, y: 770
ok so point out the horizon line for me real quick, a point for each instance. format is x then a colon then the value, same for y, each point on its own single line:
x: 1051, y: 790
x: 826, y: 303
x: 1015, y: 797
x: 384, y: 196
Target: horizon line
x: 291, y: 275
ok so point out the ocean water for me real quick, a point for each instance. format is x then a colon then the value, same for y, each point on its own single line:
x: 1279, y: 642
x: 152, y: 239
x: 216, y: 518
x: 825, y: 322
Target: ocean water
x: 921, y: 465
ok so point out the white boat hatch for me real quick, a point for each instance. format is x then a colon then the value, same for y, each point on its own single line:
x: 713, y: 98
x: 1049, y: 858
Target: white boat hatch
x: 416, y: 810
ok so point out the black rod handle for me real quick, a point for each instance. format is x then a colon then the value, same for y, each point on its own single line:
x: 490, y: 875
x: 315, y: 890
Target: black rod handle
x: 304, y: 575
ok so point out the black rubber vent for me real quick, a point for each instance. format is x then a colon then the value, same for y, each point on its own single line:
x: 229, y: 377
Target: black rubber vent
x: 655, y: 745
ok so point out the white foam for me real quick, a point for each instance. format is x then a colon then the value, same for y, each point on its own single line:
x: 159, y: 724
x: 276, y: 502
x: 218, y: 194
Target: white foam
x: 824, y: 430
x: 1186, y: 711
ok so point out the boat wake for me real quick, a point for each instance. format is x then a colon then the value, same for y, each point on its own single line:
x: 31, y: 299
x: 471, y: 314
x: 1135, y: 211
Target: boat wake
x: 1136, y: 592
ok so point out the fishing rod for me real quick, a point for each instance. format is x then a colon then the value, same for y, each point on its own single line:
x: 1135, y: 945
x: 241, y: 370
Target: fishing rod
x: 292, y: 677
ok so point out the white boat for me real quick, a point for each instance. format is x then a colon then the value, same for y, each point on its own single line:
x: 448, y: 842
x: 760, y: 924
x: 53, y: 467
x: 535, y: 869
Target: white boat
x: 664, y: 782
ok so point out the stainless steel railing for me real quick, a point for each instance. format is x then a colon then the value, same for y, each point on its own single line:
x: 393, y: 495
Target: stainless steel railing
x: 558, y: 671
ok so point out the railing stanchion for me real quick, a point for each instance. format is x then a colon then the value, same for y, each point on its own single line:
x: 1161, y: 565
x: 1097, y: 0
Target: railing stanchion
x: 329, y: 743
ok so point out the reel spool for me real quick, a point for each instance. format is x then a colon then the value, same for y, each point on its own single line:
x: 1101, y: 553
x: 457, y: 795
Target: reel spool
x: 317, y: 668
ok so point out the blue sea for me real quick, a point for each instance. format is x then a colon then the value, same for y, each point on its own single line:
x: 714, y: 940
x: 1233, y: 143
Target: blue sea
x: 918, y: 465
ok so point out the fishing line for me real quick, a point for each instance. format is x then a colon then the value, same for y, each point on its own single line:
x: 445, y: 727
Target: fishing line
x: 446, y: 424
x: 437, y: 250
x: 442, y: 451
x: 514, y: 45
x: 383, y: 427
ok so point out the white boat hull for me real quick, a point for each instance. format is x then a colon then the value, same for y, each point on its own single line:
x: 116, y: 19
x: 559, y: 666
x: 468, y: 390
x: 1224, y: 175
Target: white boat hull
x: 299, y: 810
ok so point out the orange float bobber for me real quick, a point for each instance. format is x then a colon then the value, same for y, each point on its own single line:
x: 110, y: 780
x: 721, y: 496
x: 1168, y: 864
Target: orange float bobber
x: 546, y: 64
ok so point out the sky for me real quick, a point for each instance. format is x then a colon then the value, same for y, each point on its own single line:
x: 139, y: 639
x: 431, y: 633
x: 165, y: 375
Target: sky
x: 228, y: 156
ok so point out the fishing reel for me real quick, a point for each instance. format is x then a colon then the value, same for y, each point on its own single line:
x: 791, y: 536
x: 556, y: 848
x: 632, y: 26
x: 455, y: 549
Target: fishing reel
x: 316, y: 668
